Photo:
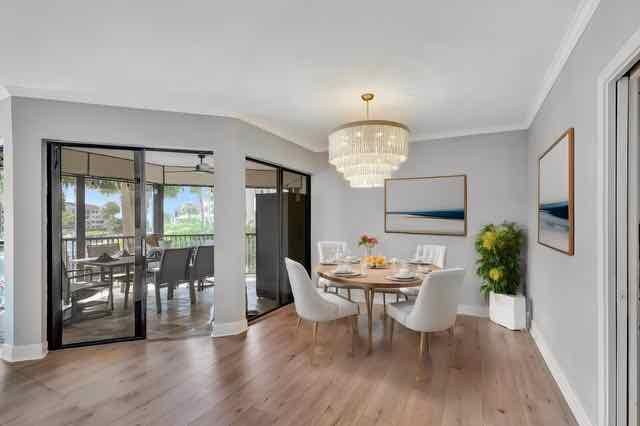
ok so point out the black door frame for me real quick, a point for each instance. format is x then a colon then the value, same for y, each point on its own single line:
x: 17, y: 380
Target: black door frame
x: 279, y: 175
x: 54, y: 258
x: 54, y: 227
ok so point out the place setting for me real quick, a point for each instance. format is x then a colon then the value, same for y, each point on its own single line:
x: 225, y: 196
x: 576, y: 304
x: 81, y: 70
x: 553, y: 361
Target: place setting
x: 402, y: 271
x: 340, y: 255
x: 345, y: 270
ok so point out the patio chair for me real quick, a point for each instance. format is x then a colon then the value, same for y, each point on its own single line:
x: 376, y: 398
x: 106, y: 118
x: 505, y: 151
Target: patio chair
x: 173, y: 269
x: 78, y: 295
x: 202, y: 269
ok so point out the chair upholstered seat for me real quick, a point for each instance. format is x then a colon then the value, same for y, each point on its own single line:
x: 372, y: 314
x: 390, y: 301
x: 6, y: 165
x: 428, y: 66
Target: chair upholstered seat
x: 318, y: 306
x: 435, y: 307
x: 410, y: 292
x: 342, y: 307
x: 314, y: 305
x: 400, y: 310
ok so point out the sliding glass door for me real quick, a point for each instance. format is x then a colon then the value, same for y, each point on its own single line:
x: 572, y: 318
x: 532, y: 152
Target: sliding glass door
x: 278, y: 226
x: 96, y: 225
x: 295, y: 226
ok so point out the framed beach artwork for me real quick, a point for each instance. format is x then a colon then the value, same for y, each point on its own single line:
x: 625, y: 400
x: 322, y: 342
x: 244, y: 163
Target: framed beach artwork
x: 555, y: 195
x: 426, y: 205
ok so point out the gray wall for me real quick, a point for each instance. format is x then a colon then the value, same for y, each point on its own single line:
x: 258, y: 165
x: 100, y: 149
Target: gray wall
x: 562, y: 288
x: 6, y: 328
x: 495, y: 166
x: 230, y: 139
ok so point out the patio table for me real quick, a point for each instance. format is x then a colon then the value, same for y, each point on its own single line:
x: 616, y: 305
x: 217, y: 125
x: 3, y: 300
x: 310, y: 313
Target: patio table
x: 124, y: 261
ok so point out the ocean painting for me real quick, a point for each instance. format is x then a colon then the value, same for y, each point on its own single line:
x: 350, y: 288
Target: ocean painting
x: 426, y: 205
x: 555, y: 195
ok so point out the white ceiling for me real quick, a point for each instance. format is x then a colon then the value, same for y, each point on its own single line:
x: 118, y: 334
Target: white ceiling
x: 293, y: 67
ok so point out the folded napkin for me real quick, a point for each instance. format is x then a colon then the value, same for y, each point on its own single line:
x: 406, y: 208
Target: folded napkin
x: 105, y: 258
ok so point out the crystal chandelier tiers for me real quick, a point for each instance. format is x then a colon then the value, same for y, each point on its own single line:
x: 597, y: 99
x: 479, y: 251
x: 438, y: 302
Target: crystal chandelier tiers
x: 367, y: 152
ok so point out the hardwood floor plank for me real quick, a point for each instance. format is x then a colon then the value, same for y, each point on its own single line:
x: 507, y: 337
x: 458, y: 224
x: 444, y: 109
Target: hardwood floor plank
x: 484, y: 374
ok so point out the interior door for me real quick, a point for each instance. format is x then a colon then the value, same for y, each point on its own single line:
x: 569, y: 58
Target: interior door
x: 628, y: 247
x: 96, y: 225
x: 622, y: 147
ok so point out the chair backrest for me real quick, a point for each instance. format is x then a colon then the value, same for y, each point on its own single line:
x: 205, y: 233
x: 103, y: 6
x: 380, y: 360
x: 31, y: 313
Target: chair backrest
x: 433, y: 254
x: 174, y: 265
x: 328, y: 250
x: 436, y: 305
x: 99, y: 250
x: 202, y: 263
x: 308, y: 302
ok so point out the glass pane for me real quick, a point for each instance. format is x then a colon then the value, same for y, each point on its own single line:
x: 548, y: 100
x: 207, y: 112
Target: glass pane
x: 262, y: 238
x: 179, y: 298
x: 98, y: 231
x: 294, y: 225
x: 188, y: 210
x: 294, y: 182
x: 149, y: 197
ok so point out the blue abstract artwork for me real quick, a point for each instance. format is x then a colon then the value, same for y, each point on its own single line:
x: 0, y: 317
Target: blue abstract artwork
x: 429, y: 205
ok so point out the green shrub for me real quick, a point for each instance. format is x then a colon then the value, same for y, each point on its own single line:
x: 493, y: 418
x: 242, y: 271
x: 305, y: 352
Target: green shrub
x: 499, y: 248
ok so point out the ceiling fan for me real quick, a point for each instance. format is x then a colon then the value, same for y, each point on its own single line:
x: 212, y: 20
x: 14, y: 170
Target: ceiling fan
x: 201, y: 167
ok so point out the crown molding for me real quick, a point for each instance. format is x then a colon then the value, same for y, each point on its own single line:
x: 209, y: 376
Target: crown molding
x: 291, y: 137
x: 578, y: 24
x: 426, y: 137
x: 576, y: 28
x: 430, y: 137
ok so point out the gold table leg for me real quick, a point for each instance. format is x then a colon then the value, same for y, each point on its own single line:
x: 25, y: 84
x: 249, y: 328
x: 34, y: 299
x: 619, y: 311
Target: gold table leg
x: 371, y: 295
x: 368, y: 298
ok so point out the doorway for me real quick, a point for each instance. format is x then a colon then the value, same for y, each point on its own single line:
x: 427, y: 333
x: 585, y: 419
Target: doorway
x: 130, y: 243
x: 277, y: 226
x: 627, y: 325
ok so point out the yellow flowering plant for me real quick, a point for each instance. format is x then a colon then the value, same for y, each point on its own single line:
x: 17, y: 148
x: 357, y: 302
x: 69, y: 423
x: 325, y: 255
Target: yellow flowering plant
x: 499, y: 258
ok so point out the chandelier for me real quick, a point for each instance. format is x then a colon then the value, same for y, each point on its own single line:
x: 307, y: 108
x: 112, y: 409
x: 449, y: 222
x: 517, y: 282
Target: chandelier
x: 367, y: 152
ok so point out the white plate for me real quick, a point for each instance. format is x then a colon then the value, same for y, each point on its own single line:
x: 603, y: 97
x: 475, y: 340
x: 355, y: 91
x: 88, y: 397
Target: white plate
x: 346, y: 274
x: 395, y: 278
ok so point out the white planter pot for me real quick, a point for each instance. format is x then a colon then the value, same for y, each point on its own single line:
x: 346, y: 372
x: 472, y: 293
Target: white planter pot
x: 508, y: 311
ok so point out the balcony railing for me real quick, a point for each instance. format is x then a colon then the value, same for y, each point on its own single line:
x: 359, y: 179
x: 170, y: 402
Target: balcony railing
x: 69, y: 248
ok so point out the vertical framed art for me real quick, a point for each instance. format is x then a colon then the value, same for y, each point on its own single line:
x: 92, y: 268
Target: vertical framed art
x: 555, y: 195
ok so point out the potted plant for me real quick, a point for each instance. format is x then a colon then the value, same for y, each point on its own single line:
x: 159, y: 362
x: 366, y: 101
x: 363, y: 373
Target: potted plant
x: 499, y: 259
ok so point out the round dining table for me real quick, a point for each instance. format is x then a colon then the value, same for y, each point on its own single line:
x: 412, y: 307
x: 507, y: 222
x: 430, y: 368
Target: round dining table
x: 372, y: 281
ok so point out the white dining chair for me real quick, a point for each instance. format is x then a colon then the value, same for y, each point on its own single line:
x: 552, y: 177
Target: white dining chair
x: 329, y: 252
x: 433, y: 254
x: 434, y: 309
x: 429, y: 253
x: 315, y: 306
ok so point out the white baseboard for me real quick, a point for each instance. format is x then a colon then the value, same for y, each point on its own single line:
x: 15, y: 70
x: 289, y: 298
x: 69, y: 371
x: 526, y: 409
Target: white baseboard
x: 11, y: 353
x: 563, y: 383
x: 229, y: 328
x: 474, y: 310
